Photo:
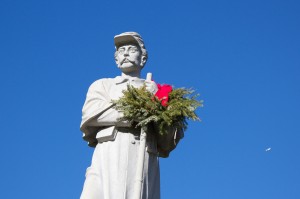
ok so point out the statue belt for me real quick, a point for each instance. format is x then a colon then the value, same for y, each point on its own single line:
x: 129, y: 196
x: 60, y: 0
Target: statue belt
x: 135, y: 131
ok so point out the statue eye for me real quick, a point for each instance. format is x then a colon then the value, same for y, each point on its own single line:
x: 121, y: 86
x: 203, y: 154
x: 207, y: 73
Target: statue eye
x: 133, y: 50
x: 121, y: 50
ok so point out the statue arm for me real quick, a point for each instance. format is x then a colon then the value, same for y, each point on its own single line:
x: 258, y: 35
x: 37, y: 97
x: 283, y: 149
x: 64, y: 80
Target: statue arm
x: 168, y: 142
x: 98, y: 111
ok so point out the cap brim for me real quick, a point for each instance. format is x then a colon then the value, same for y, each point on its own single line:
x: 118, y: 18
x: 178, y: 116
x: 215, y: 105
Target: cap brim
x: 124, y: 39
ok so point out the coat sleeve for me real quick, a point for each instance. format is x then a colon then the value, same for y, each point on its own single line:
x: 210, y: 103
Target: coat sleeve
x: 97, y: 112
x: 168, y: 142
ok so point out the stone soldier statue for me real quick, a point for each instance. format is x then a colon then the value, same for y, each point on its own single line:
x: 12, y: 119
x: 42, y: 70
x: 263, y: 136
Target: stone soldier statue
x: 112, y: 171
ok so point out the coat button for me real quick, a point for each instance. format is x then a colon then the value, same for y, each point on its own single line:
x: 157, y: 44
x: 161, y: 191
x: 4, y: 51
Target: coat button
x: 132, y: 142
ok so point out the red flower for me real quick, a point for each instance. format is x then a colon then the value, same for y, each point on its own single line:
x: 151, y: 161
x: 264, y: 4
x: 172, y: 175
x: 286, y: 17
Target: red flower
x: 163, y: 93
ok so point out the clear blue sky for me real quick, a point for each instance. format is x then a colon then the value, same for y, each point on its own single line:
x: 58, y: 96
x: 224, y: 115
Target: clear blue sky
x: 241, y: 56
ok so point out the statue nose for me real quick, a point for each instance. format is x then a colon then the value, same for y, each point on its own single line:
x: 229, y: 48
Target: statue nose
x: 126, y: 53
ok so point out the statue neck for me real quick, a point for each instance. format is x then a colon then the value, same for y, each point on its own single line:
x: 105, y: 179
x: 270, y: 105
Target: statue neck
x: 131, y: 74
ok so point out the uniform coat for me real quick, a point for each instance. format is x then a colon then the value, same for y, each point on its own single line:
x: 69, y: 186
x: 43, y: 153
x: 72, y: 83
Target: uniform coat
x: 112, y: 171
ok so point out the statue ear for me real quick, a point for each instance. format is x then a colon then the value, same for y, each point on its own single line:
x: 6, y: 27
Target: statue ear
x: 144, y: 60
x: 116, y: 60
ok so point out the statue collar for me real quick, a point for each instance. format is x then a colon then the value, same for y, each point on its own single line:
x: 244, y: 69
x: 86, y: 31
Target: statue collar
x: 120, y: 80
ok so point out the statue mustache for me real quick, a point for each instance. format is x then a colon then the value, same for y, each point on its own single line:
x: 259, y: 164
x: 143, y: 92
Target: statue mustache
x: 126, y: 60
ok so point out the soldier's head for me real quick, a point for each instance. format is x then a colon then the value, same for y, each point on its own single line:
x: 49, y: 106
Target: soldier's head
x: 131, y: 53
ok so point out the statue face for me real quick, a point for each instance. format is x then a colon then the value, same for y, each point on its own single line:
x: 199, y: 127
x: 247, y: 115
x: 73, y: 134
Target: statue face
x: 129, y: 58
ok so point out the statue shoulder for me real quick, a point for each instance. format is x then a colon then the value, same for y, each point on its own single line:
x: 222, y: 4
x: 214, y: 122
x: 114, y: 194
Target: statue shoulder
x: 104, y: 82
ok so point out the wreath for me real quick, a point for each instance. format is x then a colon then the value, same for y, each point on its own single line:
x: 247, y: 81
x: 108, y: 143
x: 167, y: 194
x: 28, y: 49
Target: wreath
x: 168, y: 107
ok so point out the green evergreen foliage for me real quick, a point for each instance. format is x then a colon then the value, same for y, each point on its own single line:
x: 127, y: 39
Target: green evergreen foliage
x: 140, y: 106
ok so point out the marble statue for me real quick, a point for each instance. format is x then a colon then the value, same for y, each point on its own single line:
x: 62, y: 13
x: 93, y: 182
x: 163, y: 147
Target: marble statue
x: 112, y: 171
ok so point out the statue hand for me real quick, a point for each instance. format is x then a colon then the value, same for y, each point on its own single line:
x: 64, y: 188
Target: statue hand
x: 151, y: 86
x: 122, y: 123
